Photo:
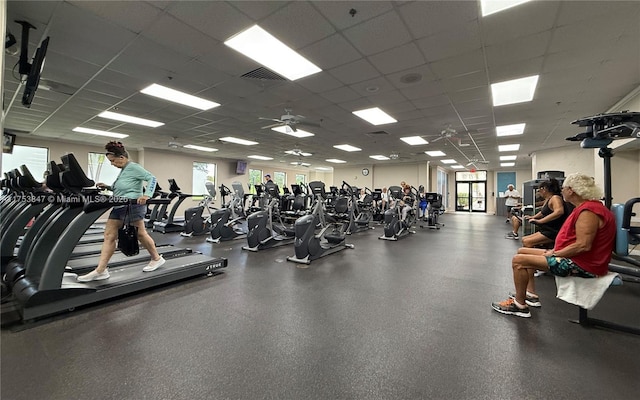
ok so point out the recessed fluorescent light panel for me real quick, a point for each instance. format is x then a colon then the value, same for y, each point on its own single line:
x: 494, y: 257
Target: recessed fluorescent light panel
x: 130, y: 119
x: 457, y: 166
x: 261, y: 46
x: 255, y: 157
x: 201, y: 148
x: 514, y: 91
x: 175, y: 96
x: 414, y: 140
x: 510, y: 130
x: 347, y: 147
x: 449, y: 161
x: 508, y: 147
x: 100, y: 133
x: 243, y: 142
x: 493, y: 6
x: 324, y: 168
x: 507, y: 164
x: 508, y: 158
x: 299, y: 133
x: 380, y: 157
x: 335, y: 161
x: 436, y: 153
x: 375, y: 116
x: 295, y: 153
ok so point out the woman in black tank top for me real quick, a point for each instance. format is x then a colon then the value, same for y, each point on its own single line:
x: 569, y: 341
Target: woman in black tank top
x: 550, y: 218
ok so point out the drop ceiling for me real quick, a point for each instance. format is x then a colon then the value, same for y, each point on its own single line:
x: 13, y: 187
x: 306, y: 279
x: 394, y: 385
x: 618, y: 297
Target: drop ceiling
x: 429, y: 64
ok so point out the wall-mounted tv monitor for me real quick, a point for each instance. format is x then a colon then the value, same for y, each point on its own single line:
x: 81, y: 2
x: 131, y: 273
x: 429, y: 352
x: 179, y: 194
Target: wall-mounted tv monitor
x: 241, y: 167
x: 33, y: 79
x: 8, y: 141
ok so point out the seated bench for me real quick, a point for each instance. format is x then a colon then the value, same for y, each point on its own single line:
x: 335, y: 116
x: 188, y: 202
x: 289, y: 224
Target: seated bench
x: 583, y: 314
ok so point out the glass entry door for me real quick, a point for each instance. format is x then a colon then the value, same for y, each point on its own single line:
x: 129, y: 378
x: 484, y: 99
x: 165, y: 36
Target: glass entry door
x: 471, y: 196
x: 462, y: 196
x: 479, y: 196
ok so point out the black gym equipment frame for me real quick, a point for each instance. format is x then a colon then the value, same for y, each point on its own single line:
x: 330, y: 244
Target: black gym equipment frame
x: 51, y: 292
x: 601, y: 130
x: 46, y: 290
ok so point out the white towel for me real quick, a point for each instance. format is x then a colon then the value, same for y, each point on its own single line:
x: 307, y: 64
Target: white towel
x: 583, y: 292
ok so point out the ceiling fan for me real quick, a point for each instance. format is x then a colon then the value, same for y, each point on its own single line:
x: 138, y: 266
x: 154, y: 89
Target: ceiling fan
x: 476, y: 161
x: 173, y: 144
x: 288, y: 120
x: 446, y: 133
x: 298, y: 153
x: 300, y: 164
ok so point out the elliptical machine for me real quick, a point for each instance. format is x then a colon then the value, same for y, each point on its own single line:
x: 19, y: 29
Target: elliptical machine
x: 226, y: 223
x: 330, y: 238
x: 394, y: 227
x: 195, y: 224
x: 263, y: 233
x: 433, y: 211
x: 361, y: 211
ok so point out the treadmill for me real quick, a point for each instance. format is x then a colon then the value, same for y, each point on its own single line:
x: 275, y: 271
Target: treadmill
x: 46, y: 290
x: 172, y: 223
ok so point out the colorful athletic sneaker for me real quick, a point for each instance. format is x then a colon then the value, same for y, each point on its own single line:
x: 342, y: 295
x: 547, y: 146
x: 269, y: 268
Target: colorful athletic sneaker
x: 509, y: 307
x: 532, y: 301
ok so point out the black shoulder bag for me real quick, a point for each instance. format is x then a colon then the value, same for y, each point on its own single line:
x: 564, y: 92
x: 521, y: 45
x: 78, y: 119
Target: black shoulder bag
x: 128, y: 237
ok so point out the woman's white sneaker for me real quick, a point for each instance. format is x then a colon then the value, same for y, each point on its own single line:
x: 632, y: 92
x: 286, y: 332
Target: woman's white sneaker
x: 94, y: 276
x: 153, y: 265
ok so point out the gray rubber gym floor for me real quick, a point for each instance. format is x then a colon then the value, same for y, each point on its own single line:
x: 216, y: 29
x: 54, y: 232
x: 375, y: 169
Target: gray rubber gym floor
x: 387, y: 320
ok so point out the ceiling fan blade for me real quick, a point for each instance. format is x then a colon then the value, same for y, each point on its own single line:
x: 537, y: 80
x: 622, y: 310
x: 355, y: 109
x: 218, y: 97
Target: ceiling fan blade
x: 438, y: 138
x: 271, y: 126
x: 313, y: 124
x: 271, y: 119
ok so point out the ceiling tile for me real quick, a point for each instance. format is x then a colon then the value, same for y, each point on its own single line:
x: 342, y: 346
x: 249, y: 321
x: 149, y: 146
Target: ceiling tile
x: 356, y: 71
x: 217, y: 19
x: 450, y: 43
x: 132, y: 15
x: 330, y: 52
x: 338, y: 11
x: 426, y: 18
x: 374, y: 36
x: 397, y: 59
x: 178, y: 36
x: 523, y: 20
x: 302, y: 18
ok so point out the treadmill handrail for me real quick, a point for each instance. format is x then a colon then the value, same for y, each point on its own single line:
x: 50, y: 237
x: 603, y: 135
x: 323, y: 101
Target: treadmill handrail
x: 101, y: 202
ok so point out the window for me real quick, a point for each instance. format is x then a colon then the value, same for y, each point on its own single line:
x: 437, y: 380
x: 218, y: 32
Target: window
x: 101, y: 170
x: 442, y: 185
x: 255, y: 178
x: 301, y: 179
x: 35, y: 158
x: 202, y: 172
x: 280, y: 179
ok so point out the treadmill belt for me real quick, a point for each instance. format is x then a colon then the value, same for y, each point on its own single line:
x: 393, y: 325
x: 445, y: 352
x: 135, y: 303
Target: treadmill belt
x: 86, y: 264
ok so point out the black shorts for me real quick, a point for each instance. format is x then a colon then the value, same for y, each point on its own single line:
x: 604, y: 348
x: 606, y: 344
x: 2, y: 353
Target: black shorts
x: 549, y: 233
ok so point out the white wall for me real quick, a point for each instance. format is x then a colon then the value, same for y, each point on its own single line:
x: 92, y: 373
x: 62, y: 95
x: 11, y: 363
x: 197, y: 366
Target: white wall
x: 569, y: 159
x: 625, y: 176
x: 383, y: 175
